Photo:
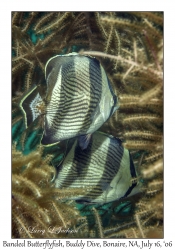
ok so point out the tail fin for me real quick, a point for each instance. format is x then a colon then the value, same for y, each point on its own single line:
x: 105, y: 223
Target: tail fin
x: 30, y: 105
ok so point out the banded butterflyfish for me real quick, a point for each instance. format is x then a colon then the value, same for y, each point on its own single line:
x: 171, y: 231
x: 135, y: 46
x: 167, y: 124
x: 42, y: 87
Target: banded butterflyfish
x: 79, y: 99
x: 105, y: 167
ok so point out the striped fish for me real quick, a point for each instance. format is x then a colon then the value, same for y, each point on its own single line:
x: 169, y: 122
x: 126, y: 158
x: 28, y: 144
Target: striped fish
x: 104, y: 167
x: 78, y: 100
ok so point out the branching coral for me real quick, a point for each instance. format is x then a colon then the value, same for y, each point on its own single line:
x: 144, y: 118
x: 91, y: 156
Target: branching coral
x: 38, y: 210
x: 130, y: 47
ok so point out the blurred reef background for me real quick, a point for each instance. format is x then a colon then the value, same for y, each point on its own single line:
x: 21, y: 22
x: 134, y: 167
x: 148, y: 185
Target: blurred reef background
x: 129, y: 45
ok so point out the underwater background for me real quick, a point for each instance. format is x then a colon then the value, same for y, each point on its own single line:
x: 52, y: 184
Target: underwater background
x: 129, y: 45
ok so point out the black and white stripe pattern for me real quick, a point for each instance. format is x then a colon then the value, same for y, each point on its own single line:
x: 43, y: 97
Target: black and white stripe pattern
x: 77, y: 96
x: 104, y: 167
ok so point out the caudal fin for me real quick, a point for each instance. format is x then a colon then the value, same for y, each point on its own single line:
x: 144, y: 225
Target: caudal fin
x: 31, y: 105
